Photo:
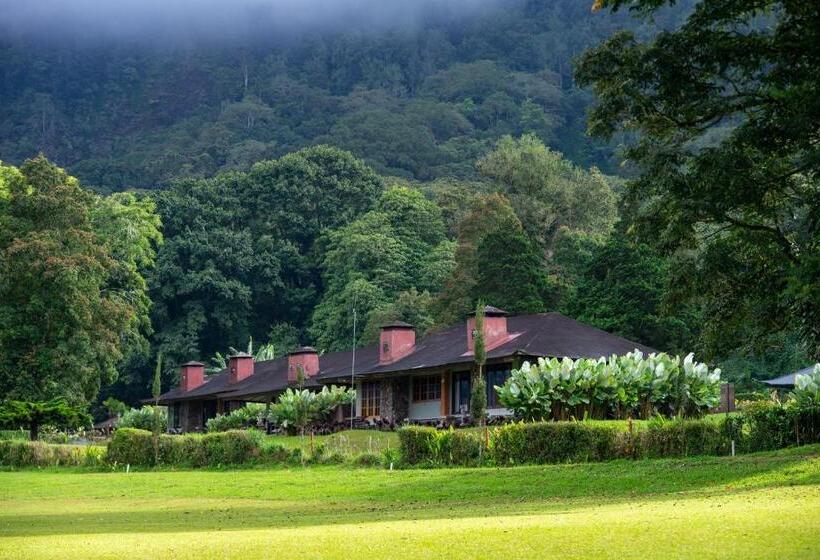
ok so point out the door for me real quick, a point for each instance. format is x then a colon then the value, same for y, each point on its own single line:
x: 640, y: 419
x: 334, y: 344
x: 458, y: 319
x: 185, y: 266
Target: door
x: 461, y: 392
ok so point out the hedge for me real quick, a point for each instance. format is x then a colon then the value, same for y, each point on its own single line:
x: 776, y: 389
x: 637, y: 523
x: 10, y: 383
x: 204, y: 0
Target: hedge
x: 761, y: 426
x: 431, y: 447
x: 17, y: 453
x: 234, y: 447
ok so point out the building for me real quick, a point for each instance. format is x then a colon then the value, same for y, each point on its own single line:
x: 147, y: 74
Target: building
x: 786, y: 382
x: 400, y: 378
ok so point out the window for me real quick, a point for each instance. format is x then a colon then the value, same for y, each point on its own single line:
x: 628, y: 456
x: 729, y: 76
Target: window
x: 427, y: 388
x: 175, y: 410
x: 496, y: 375
x: 371, y: 399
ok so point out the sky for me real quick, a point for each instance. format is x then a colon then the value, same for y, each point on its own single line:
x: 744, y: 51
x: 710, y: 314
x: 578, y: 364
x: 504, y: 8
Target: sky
x: 216, y: 19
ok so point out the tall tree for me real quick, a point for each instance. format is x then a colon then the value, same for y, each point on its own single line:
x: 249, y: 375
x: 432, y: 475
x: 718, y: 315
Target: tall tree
x: 488, y: 214
x: 240, y: 254
x: 724, y: 111
x: 478, y: 386
x: 393, y: 249
x: 72, y: 300
x: 547, y: 191
x: 511, y: 273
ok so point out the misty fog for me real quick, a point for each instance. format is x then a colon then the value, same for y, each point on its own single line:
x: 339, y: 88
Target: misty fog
x: 147, y: 20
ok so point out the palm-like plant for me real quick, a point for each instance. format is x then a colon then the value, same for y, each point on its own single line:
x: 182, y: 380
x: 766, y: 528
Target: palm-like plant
x: 618, y: 386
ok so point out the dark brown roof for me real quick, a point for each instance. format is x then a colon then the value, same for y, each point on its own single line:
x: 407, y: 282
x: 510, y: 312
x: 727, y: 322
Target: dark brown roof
x: 397, y: 325
x: 490, y: 311
x: 540, y: 335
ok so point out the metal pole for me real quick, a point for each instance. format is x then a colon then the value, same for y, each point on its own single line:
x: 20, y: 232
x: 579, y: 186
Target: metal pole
x: 353, y: 371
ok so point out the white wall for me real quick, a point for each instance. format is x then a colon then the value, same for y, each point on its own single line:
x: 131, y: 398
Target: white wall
x: 424, y: 410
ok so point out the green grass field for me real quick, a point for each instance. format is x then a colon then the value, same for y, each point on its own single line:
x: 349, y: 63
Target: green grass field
x: 756, y: 506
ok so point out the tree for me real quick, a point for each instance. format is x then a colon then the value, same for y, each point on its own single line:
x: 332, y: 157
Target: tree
x: 156, y: 391
x: 547, y: 191
x: 230, y: 269
x: 478, y: 391
x: 723, y: 114
x: 35, y: 414
x: 622, y: 288
x: 511, y: 273
x: 72, y: 297
x: 393, y: 249
x: 488, y: 214
x: 115, y: 407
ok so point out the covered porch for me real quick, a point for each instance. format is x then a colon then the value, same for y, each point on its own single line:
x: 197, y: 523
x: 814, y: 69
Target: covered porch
x: 427, y: 395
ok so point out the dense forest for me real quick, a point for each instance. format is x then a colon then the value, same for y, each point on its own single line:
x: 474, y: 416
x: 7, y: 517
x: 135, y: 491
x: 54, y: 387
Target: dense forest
x: 416, y: 99
x: 261, y: 189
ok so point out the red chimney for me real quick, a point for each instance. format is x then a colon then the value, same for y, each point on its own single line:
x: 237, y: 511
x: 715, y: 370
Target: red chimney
x: 307, y: 359
x: 240, y: 366
x: 396, y: 340
x: 191, y: 375
x: 495, y: 328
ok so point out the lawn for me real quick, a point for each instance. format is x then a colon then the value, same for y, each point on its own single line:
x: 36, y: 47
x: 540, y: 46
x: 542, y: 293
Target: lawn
x: 756, y: 506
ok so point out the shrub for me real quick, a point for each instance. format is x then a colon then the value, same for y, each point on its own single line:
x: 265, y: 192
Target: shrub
x: 246, y: 417
x: 553, y: 442
x: 420, y: 445
x: 619, y: 385
x: 367, y: 460
x: 132, y: 446
x: 19, y: 453
x: 233, y: 447
x: 142, y: 418
x: 465, y: 448
x: 771, y: 425
x: 681, y: 438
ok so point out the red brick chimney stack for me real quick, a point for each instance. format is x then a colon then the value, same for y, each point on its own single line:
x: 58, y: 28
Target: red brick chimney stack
x: 240, y: 367
x: 396, y: 340
x: 191, y: 375
x: 495, y: 328
x: 304, y: 358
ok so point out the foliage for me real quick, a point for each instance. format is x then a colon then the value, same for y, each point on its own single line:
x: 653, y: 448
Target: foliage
x: 143, y: 418
x: 807, y: 386
x: 512, y: 273
x: 429, y: 447
x: 73, y: 302
x: 296, y: 409
x: 622, y: 287
x: 478, y: 388
x: 35, y: 414
x: 721, y: 116
x: 244, y: 417
x: 765, y: 425
x: 553, y: 442
x: 114, y: 407
x: 548, y: 192
x: 621, y: 385
x: 20, y: 454
x: 230, y: 270
x: 263, y: 353
x: 393, y: 249
x: 134, y: 447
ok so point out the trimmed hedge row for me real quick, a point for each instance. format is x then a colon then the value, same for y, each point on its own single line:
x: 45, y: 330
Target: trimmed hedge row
x: 422, y: 445
x: 763, y: 426
x: 234, y: 447
x: 20, y: 453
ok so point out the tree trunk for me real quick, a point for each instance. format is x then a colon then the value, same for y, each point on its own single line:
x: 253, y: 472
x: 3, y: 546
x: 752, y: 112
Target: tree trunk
x: 33, y: 431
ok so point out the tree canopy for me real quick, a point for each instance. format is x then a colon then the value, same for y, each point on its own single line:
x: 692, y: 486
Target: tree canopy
x: 73, y: 302
x: 723, y: 114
